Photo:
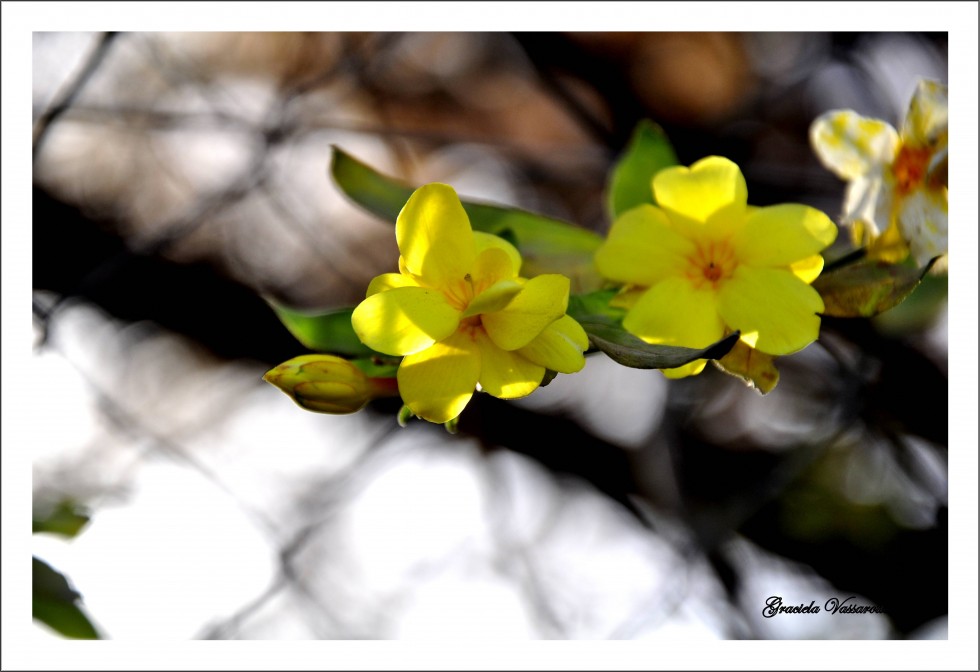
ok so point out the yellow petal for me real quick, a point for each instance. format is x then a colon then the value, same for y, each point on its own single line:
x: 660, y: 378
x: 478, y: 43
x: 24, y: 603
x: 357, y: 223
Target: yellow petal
x: 689, y: 369
x: 927, y: 119
x: 851, y: 145
x: 506, y: 375
x: 542, y: 300
x: 782, y: 234
x: 493, y: 264
x: 404, y: 320
x: 434, y: 235
x: 775, y: 310
x: 807, y: 269
x: 756, y: 368
x: 673, y: 312
x: 386, y: 281
x: 495, y: 298
x: 485, y: 241
x: 710, y: 193
x: 890, y: 247
x: 560, y: 347
x: 642, y: 248
x: 437, y: 383
x: 627, y: 298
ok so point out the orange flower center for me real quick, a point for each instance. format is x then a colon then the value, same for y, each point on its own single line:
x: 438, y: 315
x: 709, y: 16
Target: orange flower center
x: 460, y: 292
x: 712, y: 263
x: 910, y: 167
x: 471, y: 326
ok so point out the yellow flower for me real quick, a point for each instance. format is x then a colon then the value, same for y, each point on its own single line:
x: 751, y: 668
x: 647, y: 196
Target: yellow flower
x: 461, y: 315
x: 327, y: 384
x: 896, y: 198
x: 704, y: 264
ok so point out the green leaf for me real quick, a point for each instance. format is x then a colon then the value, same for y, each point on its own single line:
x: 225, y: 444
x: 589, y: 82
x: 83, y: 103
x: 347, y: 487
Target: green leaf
x: 594, y: 306
x: 54, y: 603
x: 628, y: 350
x: 378, y: 367
x: 867, y: 288
x: 66, y: 519
x: 919, y: 310
x: 603, y: 324
x: 324, y: 331
x: 546, y: 245
x: 378, y: 194
x: 630, y: 183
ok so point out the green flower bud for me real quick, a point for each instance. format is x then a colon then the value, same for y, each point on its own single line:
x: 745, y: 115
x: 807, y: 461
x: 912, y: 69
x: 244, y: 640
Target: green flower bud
x: 328, y: 384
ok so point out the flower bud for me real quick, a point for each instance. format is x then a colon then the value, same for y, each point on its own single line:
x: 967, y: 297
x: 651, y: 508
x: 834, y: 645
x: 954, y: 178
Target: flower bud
x: 327, y: 384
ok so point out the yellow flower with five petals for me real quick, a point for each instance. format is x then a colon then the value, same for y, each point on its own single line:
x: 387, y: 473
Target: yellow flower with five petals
x: 702, y: 263
x: 461, y: 315
x: 897, y: 196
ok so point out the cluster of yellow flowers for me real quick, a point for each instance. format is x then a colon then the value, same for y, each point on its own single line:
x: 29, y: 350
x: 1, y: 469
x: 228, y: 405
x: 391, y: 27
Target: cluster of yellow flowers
x: 701, y: 265
x: 695, y: 267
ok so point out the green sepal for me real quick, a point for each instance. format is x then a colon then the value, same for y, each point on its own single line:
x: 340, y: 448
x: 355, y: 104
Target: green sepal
x: 549, y: 376
x: 452, y: 426
x: 404, y: 415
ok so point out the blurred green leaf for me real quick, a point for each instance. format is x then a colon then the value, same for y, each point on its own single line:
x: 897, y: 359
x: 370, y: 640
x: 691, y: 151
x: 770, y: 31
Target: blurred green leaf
x: 324, y: 332
x: 630, y: 183
x: 547, y: 245
x: 65, y: 519
x: 867, y: 287
x: 54, y: 603
x: 383, y: 196
x: 628, y: 350
x: 919, y: 310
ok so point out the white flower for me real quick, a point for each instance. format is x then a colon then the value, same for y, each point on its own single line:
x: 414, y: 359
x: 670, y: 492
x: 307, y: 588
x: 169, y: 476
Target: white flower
x: 896, y: 200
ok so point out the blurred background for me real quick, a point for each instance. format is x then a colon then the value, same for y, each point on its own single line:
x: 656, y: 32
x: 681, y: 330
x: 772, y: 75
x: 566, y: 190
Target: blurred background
x: 181, y: 177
